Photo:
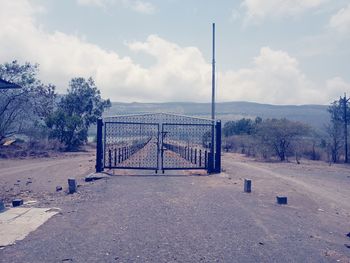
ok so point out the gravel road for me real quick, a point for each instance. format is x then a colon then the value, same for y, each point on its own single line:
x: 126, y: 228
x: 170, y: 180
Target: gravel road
x: 191, y: 218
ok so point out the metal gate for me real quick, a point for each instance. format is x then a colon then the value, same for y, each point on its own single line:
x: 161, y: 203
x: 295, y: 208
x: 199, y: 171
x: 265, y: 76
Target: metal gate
x: 158, y: 141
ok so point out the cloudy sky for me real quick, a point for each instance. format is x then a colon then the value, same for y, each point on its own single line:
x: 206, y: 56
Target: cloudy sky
x: 268, y: 51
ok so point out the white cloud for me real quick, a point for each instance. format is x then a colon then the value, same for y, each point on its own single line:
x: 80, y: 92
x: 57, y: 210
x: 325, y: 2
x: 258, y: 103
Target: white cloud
x: 178, y: 74
x: 135, y: 5
x: 273, y: 78
x: 257, y: 10
x: 341, y: 20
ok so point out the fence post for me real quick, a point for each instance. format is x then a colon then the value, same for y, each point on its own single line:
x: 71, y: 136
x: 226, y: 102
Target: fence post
x: 110, y: 158
x: 99, y: 147
x: 210, y: 163
x: 217, y: 167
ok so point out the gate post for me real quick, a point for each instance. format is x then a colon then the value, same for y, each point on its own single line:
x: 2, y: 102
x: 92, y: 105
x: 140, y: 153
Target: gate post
x: 99, y: 147
x: 217, y: 167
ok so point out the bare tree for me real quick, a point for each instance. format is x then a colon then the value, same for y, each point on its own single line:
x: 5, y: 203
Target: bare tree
x: 337, y: 128
x: 335, y: 140
x: 280, y: 135
x: 20, y: 107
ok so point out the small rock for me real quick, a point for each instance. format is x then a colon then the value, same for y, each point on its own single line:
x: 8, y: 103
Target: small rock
x: 58, y: 188
x: 346, y: 245
x: 261, y: 243
x: 18, y: 181
x: 348, y: 235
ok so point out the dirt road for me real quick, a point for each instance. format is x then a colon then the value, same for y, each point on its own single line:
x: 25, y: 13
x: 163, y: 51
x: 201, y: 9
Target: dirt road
x: 179, y: 218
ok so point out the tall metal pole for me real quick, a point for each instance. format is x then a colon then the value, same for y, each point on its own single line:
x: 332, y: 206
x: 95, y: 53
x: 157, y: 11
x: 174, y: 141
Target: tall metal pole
x: 213, y: 78
x: 212, y: 148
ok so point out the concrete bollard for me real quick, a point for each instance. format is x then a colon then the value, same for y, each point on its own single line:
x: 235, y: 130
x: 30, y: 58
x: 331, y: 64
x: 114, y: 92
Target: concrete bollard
x: 247, y: 185
x: 17, y: 202
x: 281, y: 200
x: 2, y: 206
x: 72, y: 186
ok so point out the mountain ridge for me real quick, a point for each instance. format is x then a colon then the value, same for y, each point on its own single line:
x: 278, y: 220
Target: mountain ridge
x: 313, y: 114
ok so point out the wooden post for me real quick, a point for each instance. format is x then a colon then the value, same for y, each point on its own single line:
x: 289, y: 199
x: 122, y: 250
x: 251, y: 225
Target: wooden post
x: 247, y: 185
x: 72, y: 186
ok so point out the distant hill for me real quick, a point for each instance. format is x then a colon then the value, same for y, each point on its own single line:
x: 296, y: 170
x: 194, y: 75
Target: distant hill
x: 314, y: 115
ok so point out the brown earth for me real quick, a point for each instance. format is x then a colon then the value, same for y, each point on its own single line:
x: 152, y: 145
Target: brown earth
x: 37, y: 178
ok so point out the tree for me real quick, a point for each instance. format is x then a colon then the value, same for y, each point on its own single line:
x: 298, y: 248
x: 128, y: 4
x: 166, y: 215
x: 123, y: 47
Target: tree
x: 240, y: 127
x: 279, y: 135
x: 337, y: 129
x: 20, y: 108
x: 334, y: 131
x: 76, y: 111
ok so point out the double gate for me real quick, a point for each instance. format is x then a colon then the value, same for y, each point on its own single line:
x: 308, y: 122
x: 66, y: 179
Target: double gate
x: 158, y: 141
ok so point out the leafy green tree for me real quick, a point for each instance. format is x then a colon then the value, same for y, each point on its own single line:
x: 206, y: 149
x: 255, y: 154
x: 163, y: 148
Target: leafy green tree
x: 20, y: 108
x: 76, y: 111
x: 279, y: 135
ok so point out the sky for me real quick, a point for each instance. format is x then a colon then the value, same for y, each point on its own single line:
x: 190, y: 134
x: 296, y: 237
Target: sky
x: 267, y: 51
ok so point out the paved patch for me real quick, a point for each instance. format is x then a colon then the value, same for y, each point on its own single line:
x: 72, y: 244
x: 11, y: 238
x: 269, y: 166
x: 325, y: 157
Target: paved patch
x: 17, y: 223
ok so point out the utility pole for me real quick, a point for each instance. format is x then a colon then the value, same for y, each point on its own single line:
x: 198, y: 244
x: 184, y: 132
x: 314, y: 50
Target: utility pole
x: 345, y: 101
x: 213, y: 78
x: 212, y: 146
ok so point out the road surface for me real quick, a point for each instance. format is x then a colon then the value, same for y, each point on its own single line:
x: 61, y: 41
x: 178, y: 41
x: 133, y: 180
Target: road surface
x: 183, y: 218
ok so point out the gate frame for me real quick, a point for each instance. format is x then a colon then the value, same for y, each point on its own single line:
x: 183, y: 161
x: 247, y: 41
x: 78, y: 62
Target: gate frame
x: 214, y: 156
